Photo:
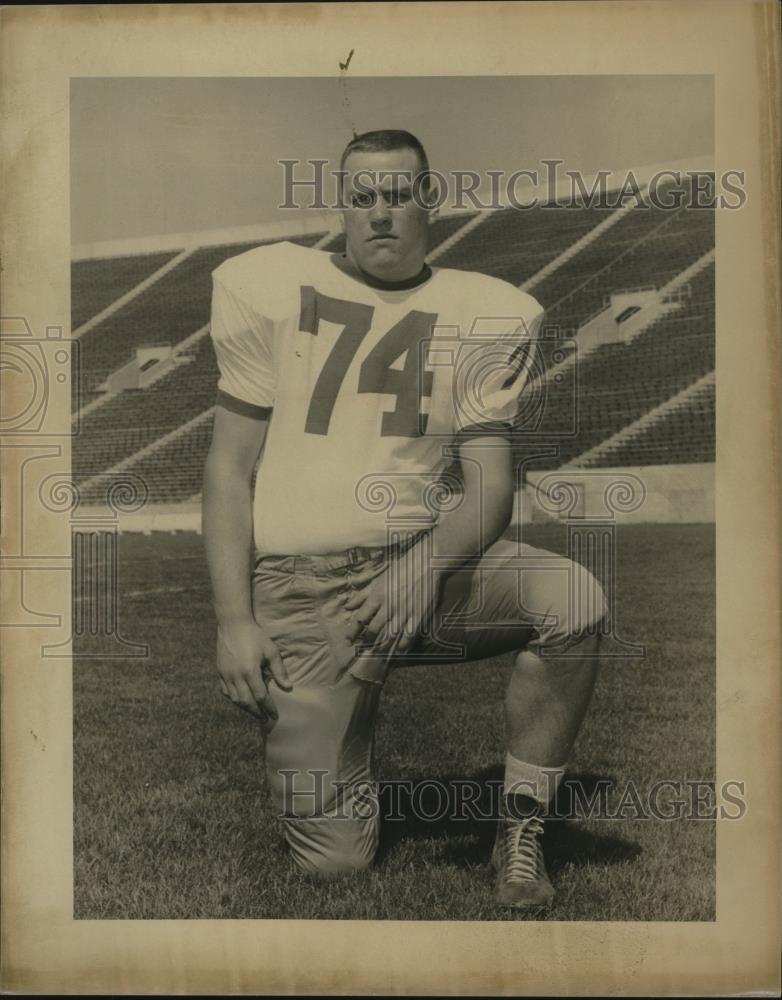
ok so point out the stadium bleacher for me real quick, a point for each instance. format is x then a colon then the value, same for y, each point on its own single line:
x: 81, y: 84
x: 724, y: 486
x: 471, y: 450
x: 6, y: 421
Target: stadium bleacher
x: 176, y: 468
x: 665, y: 251
x: 620, y: 382
x: 685, y: 434
x: 617, y: 383
x: 95, y: 284
x: 610, y: 258
x: 177, y: 398
x: 513, y: 244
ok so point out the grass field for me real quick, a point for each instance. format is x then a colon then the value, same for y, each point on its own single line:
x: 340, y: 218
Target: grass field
x: 172, y: 818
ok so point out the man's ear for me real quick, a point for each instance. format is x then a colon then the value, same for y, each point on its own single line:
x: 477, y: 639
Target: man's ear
x: 433, y: 202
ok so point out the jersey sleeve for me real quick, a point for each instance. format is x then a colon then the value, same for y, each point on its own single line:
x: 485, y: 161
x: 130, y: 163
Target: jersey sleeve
x: 244, y: 344
x: 495, y: 365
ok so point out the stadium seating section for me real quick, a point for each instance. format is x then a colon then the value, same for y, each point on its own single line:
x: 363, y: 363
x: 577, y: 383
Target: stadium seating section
x: 513, y: 244
x: 156, y: 432
x: 171, y: 467
x: 684, y: 434
x: 95, y: 284
x: 618, y: 383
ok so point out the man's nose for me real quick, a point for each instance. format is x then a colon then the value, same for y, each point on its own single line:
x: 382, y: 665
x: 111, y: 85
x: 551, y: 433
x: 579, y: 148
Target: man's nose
x: 379, y: 215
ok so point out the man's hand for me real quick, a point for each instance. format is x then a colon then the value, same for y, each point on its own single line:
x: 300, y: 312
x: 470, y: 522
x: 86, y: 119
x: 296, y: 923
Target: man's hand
x: 388, y: 608
x: 246, y: 659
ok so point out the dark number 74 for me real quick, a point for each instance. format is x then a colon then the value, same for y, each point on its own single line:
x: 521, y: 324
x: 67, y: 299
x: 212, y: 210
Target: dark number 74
x: 409, y: 383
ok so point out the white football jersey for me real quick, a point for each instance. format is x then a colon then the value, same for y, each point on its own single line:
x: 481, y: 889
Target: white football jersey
x: 369, y: 387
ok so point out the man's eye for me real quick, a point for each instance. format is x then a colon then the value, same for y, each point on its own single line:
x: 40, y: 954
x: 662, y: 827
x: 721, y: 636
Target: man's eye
x: 362, y: 200
x: 397, y: 198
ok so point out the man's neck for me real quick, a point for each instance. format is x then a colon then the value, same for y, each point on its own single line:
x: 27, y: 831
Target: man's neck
x: 417, y: 275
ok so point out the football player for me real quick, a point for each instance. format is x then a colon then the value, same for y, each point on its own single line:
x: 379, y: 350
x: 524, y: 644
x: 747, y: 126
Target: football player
x: 356, y: 379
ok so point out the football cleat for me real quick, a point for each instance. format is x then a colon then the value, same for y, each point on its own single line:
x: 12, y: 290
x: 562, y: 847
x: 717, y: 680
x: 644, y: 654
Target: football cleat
x: 522, y: 879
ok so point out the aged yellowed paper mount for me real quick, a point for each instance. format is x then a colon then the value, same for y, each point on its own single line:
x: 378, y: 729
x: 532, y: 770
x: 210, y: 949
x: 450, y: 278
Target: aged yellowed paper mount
x: 608, y: 172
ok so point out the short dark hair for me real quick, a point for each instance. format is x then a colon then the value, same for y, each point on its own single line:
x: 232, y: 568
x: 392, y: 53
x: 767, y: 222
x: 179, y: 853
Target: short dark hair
x: 384, y: 140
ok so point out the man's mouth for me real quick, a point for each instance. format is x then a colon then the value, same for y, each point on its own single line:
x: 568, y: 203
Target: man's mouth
x: 382, y: 236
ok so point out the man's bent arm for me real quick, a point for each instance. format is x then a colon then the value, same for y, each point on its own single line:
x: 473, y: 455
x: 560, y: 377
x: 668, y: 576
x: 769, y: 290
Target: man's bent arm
x: 487, y: 502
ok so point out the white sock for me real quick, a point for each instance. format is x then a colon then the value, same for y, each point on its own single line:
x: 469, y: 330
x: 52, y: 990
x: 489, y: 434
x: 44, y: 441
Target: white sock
x: 539, y: 783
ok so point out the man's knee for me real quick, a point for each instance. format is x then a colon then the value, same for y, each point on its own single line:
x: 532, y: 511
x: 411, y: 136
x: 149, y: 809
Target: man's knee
x: 577, y: 612
x: 333, y: 865
x: 331, y: 847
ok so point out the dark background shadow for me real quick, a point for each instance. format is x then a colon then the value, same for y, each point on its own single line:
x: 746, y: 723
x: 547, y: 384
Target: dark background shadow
x: 436, y: 809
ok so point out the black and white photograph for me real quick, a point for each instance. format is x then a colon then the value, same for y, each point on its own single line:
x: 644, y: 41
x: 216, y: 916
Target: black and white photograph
x: 391, y: 435
x: 414, y: 409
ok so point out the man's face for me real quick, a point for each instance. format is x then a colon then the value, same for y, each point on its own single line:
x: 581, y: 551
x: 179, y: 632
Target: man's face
x: 386, y: 230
